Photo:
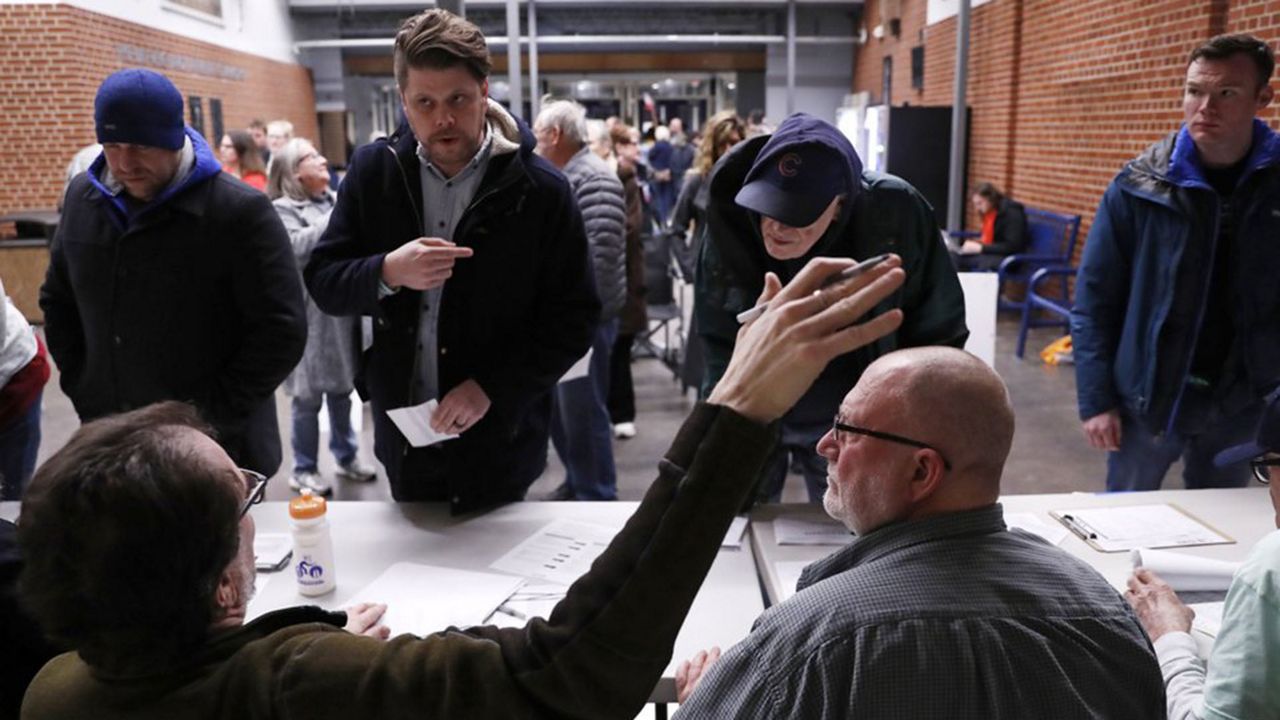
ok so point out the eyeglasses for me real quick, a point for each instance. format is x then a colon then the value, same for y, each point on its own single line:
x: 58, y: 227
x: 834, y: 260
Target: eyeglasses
x: 838, y: 427
x: 258, y: 482
x: 1261, y: 471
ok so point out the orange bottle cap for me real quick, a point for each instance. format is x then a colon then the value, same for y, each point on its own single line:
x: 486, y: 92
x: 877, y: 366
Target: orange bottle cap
x: 307, y: 506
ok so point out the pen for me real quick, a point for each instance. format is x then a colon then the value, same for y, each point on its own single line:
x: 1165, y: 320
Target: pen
x: 747, y: 316
x: 512, y: 612
x: 1078, y: 527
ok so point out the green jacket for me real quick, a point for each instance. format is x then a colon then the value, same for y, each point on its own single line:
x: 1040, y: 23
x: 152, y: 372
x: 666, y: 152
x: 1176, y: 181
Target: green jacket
x: 599, y: 655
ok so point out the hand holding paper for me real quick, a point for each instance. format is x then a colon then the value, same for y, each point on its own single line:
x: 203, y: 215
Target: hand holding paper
x: 415, y: 424
x: 1186, y: 573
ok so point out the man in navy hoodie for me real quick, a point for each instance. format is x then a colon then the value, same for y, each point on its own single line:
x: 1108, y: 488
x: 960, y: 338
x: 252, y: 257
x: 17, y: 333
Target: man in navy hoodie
x: 777, y: 201
x: 171, y: 280
x: 1176, y: 325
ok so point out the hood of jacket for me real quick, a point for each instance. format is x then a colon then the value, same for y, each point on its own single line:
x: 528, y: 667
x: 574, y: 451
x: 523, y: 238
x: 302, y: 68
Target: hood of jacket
x: 1173, y: 162
x: 197, y: 165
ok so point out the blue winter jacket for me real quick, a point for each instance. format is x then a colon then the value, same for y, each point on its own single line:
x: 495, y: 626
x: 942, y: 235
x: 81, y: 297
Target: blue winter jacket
x: 1153, y: 240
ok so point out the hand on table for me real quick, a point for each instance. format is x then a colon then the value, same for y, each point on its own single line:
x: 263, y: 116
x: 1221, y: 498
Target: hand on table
x: 460, y: 408
x: 421, y: 264
x: 690, y: 672
x: 778, y: 355
x: 1158, y: 607
x: 365, y: 619
x: 1103, y: 430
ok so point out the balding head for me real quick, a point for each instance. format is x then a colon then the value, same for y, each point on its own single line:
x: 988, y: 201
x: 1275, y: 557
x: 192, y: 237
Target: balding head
x: 942, y: 398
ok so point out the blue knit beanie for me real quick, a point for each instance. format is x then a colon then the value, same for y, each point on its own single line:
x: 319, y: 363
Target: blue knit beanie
x: 140, y: 107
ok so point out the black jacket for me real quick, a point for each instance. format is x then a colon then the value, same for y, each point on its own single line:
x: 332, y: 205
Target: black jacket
x: 514, y: 316
x: 1010, y: 235
x: 195, y: 297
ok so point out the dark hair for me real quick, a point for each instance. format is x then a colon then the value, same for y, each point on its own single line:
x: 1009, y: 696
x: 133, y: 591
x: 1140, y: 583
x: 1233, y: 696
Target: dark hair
x: 247, y: 151
x: 125, y: 535
x: 1224, y: 46
x: 755, y: 117
x: 620, y: 134
x: 438, y: 40
x: 259, y: 124
x: 989, y: 191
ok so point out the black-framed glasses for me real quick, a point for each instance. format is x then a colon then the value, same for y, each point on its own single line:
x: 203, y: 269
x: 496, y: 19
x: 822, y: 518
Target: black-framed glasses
x: 838, y: 427
x: 258, y: 482
x: 1261, y: 468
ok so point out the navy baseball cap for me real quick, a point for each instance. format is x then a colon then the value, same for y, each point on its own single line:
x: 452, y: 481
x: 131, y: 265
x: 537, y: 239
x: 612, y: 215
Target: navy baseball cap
x: 1266, y: 439
x: 795, y: 183
x: 139, y: 107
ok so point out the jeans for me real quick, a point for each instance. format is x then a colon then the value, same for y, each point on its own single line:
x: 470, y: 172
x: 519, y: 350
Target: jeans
x: 1144, y: 458
x: 306, y: 430
x: 19, y: 445
x: 622, y: 393
x: 799, y: 446
x: 580, y: 429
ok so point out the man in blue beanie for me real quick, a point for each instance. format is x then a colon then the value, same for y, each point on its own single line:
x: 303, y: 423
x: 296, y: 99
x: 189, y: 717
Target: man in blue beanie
x: 169, y: 279
x: 775, y: 202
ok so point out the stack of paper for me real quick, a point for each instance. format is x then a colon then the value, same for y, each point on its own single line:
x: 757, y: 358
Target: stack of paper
x: 1186, y: 573
x: 560, y: 552
x: 422, y: 599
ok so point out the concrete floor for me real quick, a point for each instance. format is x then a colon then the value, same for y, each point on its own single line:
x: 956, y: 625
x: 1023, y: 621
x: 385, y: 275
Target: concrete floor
x: 1049, y: 453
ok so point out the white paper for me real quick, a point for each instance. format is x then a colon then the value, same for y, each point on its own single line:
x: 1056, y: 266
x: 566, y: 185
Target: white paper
x: 1034, y: 525
x: 788, y: 572
x: 415, y: 424
x: 579, y: 369
x: 791, y: 531
x: 422, y: 599
x: 1186, y: 573
x: 534, y: 598
x: 1208, y: 617
x: 1142, y: 526
x: 560, y: 552
x: 271, y: 549
x: 733, y: 538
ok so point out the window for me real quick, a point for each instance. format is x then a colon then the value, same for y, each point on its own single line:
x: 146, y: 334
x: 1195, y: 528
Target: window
x: 886, y: 81
x: 197, y: 114
x: 917, y: 67
x: 215, y: 117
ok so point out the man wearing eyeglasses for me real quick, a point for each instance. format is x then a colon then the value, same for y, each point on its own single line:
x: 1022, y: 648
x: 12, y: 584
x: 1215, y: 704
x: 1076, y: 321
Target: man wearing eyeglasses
x: 139, y: 556
x: 1243, y: 677
x: 936, y: 610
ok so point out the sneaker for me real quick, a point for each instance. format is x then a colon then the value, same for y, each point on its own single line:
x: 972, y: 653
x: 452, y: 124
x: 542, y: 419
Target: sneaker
x: 358, y: 471
x: 311, y: 481
x: 624, y: 431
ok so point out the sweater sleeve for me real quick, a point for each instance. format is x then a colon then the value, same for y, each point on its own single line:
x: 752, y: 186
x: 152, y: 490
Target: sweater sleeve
x: 1183, y: 673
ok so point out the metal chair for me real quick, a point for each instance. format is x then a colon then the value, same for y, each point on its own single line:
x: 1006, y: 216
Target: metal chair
x: 1052, y: 244
x: 665, y: 336
x: 1036, y: 303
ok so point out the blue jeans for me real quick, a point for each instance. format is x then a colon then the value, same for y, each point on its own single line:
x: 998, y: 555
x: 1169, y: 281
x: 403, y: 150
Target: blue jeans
x: 799, y: 446
x: 580, y: 427
x: 306, y: 430
x: 19, y: 445
x: 1144, y: 458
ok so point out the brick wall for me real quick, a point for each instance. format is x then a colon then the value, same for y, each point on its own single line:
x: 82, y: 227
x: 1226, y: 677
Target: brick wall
x: 54, y: 60
x: 1063, y: 93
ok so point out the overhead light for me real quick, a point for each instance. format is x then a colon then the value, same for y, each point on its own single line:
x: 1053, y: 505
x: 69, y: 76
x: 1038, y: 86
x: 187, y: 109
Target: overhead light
x: 733, y: 86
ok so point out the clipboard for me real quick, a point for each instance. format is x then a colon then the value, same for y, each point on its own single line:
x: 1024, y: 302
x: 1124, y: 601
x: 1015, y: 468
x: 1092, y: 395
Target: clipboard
x: 1120, y: 528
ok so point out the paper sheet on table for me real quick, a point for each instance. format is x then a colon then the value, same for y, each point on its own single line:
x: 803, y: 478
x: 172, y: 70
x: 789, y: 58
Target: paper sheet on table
x: 534, y: 598
x: 1186, y: 572
x: 415, y: 423
x: 560, y: 552
x: 271, y: 551
x: 791, y: 531
x: 578, y: 369
x: 1208, y: 618
x: 733, y: 538
x: 788, y: 575
x: 260, y: 580
x: 422, y: 599
x: 1114, y: 529
x: 1034, y: 525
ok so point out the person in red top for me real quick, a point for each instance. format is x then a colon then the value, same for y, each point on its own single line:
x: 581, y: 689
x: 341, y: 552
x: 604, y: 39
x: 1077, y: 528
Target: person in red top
x: 24, y: 369
x: 239, y: 156
x: 1004, y: 230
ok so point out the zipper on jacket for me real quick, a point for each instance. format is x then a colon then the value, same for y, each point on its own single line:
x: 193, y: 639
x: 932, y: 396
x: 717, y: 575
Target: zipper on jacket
x: 1204, y: 299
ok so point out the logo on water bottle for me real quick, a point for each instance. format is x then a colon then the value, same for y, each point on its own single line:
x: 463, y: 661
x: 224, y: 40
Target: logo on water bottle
x: 310, y: 573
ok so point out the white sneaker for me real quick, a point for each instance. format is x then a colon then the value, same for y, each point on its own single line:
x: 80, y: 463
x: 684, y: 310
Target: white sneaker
x: 311, y: 481
x: 357, y: 471
x: 624, y: 431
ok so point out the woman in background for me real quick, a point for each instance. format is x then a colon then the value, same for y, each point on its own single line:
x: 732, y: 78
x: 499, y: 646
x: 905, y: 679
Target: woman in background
x: 240, y: 157
x: 1004, y: 230
x: 299, y: 189
x: 622, y: 396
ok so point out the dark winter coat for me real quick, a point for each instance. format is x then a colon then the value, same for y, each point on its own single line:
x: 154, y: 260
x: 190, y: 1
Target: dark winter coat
x: 604, y: 215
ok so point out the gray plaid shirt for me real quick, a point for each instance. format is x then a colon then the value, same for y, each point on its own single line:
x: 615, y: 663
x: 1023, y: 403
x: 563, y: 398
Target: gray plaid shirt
x: 949, y: 617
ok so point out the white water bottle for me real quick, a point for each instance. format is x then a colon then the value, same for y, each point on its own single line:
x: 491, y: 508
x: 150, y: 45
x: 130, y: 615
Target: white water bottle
x: 312, y: 546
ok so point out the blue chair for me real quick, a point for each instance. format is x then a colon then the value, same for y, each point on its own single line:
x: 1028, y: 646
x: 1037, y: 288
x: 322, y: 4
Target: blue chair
x: 1052, y: 244
x: 1038, y: 303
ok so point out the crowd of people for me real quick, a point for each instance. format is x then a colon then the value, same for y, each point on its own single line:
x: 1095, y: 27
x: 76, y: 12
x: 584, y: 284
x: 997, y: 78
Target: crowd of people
x: 459, y: 271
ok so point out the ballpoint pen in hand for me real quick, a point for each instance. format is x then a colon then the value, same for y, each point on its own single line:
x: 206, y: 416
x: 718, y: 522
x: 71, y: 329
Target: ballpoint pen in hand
x: 747, y: 316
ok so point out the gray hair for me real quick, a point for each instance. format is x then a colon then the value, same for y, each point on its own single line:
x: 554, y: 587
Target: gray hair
x: 282, y: 178
x: 598, y: 134
x: 567, y: 116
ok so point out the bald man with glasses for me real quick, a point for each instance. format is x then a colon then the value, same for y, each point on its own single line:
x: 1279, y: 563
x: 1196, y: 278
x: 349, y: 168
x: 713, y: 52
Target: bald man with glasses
x: 935, y: 609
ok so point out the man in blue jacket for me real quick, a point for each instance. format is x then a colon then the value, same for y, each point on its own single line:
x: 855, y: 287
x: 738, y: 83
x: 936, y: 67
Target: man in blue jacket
x: 1176, y: 327
x: 171, y: 280
x: 777, y: 201
x: 469, y: 253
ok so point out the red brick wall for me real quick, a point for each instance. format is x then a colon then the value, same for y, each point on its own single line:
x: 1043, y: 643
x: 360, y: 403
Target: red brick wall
x: 1063, y: 93
x: 54, y: 59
